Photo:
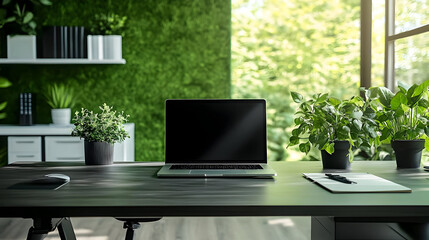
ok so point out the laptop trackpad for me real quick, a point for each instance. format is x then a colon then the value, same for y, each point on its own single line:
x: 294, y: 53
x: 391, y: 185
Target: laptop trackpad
x: 218, y: 172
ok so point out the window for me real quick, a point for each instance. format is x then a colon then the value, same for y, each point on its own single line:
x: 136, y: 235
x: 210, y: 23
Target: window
x: 406, y: 42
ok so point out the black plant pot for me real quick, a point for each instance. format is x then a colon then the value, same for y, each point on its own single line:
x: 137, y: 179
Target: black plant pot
x: 408, y: 152
x: 339, y: 159
x: 98, y: 153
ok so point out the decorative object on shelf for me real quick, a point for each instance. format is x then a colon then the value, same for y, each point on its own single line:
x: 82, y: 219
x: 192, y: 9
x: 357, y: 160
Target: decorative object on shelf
x: 111, y: 27
x: 61, y: 99
x: 95, y: 47
x: 18, y: 16
x: 334, y: 127
x: 100, y: 131
x: 64, y: 42
x: 404, y: 120
x: 4, y: 83
x: 21, y: 47
x: 26, y: 103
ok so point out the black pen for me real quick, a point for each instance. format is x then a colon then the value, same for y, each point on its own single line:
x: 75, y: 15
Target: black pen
x: 339, y: 178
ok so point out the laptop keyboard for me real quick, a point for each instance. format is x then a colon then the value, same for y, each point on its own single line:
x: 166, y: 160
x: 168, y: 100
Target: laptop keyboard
x: 215, y: 167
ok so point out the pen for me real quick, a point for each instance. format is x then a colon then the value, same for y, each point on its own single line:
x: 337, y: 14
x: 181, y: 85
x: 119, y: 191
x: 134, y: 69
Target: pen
x: 339, y: 178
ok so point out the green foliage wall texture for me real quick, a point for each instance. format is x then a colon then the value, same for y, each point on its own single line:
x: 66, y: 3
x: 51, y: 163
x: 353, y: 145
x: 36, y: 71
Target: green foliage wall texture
x: 174, y: 49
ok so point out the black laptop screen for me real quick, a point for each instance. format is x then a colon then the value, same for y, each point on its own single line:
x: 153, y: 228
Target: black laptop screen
x: 231, y: 131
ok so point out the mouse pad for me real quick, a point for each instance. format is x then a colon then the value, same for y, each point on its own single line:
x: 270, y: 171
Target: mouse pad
x: 35, y: 186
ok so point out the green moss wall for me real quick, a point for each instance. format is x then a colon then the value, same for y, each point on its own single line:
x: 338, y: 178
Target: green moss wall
x: 173, y: 49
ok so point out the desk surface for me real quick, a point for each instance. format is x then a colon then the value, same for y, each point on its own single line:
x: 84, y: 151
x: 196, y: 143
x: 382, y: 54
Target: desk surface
x: 132, y: 190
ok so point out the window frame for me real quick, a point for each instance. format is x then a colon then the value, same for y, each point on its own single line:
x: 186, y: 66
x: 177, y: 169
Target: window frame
x: 390, y: 38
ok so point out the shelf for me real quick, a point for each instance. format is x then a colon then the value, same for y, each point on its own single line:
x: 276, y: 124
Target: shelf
x: 60, y: 61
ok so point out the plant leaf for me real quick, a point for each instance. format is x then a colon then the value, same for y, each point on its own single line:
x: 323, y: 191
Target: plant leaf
x: 398, y: 100
x: 305, y: 147
x: 4, y: 83
x: 296, y: 97
x: 3, y: 105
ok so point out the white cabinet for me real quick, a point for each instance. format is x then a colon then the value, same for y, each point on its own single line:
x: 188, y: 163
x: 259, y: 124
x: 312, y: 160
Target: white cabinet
x: 64, y: 148
x: 52, y: 143
x: 24, y: 148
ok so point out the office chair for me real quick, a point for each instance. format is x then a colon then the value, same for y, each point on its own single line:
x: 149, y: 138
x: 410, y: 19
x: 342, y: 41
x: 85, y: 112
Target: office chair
x: 134, y: 223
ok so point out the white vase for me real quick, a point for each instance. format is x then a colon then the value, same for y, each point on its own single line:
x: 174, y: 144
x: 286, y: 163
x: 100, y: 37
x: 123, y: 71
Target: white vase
x: 21, y: 47
x: 95, y: 47
x: 112, y: 45
x: 61, y: 116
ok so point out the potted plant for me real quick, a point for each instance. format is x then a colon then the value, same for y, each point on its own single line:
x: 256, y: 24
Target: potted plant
x: 19, y: 15
x: 404, y: 121
x: 4, y: 83
x: 334, y: 127
x: 100, y: 131
x: 61, y: 99
x: 111, y: 27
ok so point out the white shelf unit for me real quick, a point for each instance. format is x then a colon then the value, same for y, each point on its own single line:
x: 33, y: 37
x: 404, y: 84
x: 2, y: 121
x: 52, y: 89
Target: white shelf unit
x: 47, y: 142
x: 61, y: 61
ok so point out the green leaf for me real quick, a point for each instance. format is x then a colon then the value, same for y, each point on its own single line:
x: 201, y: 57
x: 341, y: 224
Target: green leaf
x: 3, y: 115
x: 357, y: 123
x: 4, y: 83
x: 296, y: 132
x: 305, y: 147
x: 384, y: 95
x: 3, y: 105
x: 334, y: 101
x: 385, y: 133
x: 6, y: 2
x: 322, y: 98
x: 28, y: 17
x: 293, y: 140
x: 423, y: 87
x: 398, y: 100
x: 330, y: 148
x: 46, y: 2
x: 296, y: 97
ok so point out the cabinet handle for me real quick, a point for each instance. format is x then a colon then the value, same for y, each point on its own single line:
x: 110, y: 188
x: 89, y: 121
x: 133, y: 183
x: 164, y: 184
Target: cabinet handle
x: 67, y: 141
x: 24, y: 141
x: 25, y: 156
x: 69, y: 158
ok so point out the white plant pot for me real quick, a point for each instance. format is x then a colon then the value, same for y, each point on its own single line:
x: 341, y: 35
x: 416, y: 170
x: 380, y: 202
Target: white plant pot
x: 61, y: 116
x: 112, y: 45
x: 21, y: 47
x: 95, y: 47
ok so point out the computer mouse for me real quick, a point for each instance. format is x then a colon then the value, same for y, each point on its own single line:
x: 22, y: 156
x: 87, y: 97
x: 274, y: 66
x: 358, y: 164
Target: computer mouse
x: 52, y: 179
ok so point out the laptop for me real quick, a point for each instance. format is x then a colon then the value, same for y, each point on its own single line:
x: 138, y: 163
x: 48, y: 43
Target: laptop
x: 216, y: 138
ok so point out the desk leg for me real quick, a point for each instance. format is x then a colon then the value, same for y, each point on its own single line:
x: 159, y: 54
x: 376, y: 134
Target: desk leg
x: 65, y: 230
x: 42, y: 226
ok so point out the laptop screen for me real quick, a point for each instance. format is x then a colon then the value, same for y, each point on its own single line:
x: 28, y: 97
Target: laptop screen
x: 211, y: 131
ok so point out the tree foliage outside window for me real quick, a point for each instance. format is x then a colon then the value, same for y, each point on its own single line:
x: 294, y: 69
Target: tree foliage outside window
x: 305, y: 46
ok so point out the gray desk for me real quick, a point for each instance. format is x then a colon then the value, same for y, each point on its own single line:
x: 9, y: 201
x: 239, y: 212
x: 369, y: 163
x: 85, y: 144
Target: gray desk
x: 133, y: 190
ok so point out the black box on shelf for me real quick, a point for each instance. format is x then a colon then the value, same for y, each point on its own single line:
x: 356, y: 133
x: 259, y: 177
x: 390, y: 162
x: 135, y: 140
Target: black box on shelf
x: 26, y: 106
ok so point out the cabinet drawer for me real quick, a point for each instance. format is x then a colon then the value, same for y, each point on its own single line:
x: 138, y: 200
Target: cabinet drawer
x: 24, y: 144
x: 28, y: 156
x: 64, y: 149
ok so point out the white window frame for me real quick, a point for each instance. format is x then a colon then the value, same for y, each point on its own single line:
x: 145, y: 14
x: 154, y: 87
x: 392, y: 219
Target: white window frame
x: 390, y: 38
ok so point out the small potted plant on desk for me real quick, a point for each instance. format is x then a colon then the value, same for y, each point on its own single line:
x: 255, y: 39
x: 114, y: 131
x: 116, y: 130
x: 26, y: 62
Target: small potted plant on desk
x: 334, y: 127
x: 403, y: 119
x: 100, y: 131
x: 61, y: 99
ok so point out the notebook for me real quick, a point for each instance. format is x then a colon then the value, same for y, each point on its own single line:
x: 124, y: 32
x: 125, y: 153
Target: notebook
x: 216, y: 138
x: 365, y: 183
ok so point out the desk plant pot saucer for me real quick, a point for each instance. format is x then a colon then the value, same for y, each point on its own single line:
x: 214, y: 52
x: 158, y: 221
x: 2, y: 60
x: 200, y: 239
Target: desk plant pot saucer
x: 339, y: 159
x: 98, y: 153
x: 408, y: 152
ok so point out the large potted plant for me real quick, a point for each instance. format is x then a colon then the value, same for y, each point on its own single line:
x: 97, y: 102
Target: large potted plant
x: 100, y: 131
x: 404, y: 120
x: 111, y: 26
x: 18, y: 15
x: 61, y: 99
x: 334, y: 127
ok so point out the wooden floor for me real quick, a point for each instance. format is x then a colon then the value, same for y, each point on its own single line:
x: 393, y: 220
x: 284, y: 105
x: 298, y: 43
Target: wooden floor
x: 192, y: 228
